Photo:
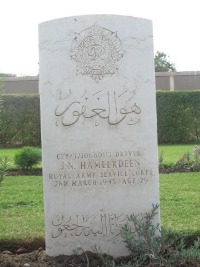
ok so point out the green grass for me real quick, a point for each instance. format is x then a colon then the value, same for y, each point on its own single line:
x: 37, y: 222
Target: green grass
x: 172, y: 153
x: 21, y: 208
x: 21, y: 205
x: 10, y: 153
x: 180, y: 202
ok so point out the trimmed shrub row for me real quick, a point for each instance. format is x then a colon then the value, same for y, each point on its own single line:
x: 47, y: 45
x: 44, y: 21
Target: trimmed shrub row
x: 20, y: 118
x: 178, y: 115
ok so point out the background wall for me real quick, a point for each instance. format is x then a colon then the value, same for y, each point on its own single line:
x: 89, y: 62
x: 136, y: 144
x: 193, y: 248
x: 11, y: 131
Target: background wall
x: 21, y: 85
x: 176, y: 81
x: 172, y: 81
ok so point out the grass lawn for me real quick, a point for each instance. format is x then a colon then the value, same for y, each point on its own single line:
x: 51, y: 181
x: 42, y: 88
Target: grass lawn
x: 21, y: 205
x: 21, y: 208
x: 180, y: 202
x: 171, y: 153
x: 10, y: 153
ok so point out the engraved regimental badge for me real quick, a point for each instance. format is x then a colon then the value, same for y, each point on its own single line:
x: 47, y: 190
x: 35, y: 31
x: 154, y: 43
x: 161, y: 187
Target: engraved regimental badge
x: 97, y: 52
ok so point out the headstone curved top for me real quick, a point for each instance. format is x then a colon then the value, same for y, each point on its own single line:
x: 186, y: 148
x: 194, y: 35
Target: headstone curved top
x: 98, y: 121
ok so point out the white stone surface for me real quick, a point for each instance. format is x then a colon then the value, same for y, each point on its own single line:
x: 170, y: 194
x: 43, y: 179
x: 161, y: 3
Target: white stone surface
x: 99, y: 136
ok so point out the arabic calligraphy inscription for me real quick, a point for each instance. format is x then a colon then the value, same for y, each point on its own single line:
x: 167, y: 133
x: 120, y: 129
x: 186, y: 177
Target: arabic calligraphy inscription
x: 84, y: 225
x: 114, y: 108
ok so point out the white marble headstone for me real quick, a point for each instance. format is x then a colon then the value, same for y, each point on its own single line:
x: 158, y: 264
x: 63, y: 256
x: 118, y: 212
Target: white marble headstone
x: 99, y: 136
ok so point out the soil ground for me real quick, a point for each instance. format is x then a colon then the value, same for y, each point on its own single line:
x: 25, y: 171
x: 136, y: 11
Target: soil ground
x: 38, y: 258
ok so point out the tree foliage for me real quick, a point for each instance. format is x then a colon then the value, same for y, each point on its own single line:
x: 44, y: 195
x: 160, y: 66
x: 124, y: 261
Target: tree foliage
x: 162, y: 63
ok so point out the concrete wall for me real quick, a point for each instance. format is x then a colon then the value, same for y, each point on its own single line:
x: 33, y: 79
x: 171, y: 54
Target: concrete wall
x: 21, y: 85
x: 188, y: 80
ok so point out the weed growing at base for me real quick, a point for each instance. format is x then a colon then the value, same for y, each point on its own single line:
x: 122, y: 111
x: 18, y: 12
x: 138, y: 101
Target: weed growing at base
x: 148, y: 245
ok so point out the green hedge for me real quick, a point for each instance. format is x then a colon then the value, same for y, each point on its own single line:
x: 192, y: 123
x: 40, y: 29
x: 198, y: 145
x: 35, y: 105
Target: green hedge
x: 20, y: 121
x: 178, y: 115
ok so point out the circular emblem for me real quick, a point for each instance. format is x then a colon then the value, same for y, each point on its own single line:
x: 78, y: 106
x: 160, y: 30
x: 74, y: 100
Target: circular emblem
x: 97, y: 52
